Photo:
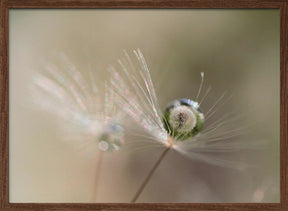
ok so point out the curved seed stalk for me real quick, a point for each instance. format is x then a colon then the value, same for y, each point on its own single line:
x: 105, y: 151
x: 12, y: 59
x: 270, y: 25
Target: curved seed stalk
x: 150, y: 174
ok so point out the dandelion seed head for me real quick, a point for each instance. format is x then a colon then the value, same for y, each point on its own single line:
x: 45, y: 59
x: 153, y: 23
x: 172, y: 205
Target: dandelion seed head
x: 86, y: 112
x: 181, y: 125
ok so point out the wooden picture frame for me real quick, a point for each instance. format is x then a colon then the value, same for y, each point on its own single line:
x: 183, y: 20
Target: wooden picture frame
x: 282, y: 5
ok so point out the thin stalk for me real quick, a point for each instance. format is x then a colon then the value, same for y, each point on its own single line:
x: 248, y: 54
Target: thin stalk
x: 150, y: 174
x: 97, y: 177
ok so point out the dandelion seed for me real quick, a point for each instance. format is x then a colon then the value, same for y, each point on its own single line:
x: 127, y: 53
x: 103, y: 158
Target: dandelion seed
x: 182, y: 127
x: 76, y: 102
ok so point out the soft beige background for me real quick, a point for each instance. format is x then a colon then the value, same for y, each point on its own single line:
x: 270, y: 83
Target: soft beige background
x: 239, y: 51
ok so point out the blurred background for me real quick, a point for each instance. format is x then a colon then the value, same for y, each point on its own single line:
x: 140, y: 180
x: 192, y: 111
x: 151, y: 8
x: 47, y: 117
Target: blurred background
x: 239, y: 51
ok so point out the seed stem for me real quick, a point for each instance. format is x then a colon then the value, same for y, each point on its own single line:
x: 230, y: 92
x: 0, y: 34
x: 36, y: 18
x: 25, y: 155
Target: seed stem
x: 97, y: 177
x: 148, y: 177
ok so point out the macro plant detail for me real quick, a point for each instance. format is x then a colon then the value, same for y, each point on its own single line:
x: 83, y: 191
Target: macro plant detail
x: 182, y: 127
x: 191, y: 117
x: 66, y: 93
x: 86, y: 118
x: 85, y: 115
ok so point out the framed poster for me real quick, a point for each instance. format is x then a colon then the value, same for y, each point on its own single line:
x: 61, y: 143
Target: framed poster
x: 143, y: 105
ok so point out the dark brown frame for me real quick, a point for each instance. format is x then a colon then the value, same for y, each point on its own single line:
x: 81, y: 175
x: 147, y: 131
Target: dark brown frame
x: 4, y: 103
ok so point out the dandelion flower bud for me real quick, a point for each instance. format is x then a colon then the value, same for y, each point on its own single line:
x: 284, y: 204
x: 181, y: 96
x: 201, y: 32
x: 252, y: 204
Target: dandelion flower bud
x: 183, y: 119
